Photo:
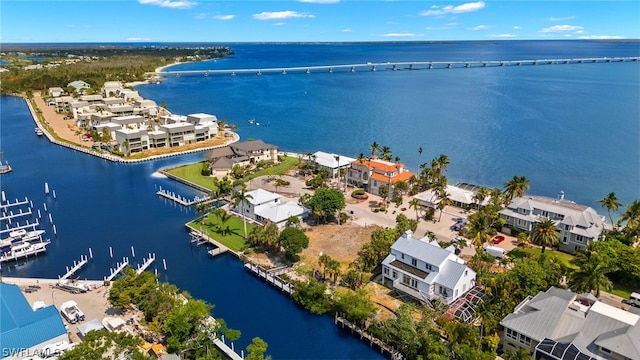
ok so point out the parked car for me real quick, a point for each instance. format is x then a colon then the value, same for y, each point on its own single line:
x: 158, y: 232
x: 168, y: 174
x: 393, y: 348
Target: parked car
x: 497, y: 239
x: 495, y: 251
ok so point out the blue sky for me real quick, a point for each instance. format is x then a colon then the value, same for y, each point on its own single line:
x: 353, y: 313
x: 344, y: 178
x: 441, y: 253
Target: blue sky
x: 313, y: 20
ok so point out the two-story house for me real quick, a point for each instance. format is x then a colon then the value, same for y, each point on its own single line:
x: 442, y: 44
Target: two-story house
x: 264, y: 206
x: 370, y: 174
x: 559, y: 324
x: 578, y: 224
x: 332, y: 162
x: 424, y: 270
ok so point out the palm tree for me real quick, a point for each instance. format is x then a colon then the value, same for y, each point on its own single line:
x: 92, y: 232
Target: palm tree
x: 440, y: 164
x: 416, y: 205
x: 516, y: 187
x: 478, y: 229
x: 611, y: 203
x: 545, y: 234
x: 420, y: 154
x: 592, y: 276
x: 241, y: 198
x: 224, y: 217
x: 443, y: 203
x: 385, y: 153
x: 374, y: 147
x: 632, y: 216
x: 481, y: 194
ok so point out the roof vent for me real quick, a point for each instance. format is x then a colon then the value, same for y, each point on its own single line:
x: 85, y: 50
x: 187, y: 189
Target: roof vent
x: 561, y: 195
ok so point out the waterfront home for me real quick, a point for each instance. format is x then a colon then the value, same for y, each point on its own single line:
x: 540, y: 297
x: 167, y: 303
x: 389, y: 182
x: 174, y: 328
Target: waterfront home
x: 25, y: 331
x: 462, y: 195
x: 93, y: 99
x: 79, y: 86
x: 370, y: 174
x: 256, y: 151
x: 331, y: 162
x: 132, y: 140
x: 560, y: 324
x: 55, y: 91
x: 577, y: 224
x: 111, y: 129
x: 130, y: 122
x: 110, y: 88
x: 62, y: 103
x: 267, y: 206
x: 425, y: 271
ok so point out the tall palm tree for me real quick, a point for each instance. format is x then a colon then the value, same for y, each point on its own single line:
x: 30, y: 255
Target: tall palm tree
x: 443, y: 203
x: 610, y: 202
x: 516, y: 187
x: 545, y: 234
x: 416, y: 205
x: 241, y: 198
x: 374, y: 147
x: 420, y: 154
x: 440, y: 164
x: 631, y: 215
x: 481, y: 194
x: 385, y: 153
x: 592, y: 276
x: 478, y: 229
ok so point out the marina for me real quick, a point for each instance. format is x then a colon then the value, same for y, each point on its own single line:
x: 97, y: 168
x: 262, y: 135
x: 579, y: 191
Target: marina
x: 24, y: 250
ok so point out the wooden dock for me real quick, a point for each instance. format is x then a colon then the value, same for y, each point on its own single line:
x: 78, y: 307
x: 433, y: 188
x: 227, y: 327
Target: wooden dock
x: 201, y: 238
x: 76, y: 266
x: 364, y: 335
x: 180, y: 199
x: 272, y: 276
x: 119, y: 268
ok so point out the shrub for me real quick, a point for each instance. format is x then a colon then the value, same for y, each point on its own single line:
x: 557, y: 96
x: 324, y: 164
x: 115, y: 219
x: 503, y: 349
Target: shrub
x: 359, y: 194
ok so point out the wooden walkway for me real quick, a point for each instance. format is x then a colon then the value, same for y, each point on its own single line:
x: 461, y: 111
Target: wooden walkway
x: 200, y: 238
x: 395, y: 355
x: 272, y: 276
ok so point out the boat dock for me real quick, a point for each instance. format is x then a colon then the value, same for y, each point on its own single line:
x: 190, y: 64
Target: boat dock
x: 272, y: 276
x: 145, y: 263
x: 180, y: 199
x: 8, y: 205
x: 119, y: 268
x: 76, y: 266
x: 201, y: 238
x: 11, y: 215
x: 394, y: 354
x: 26, y: 250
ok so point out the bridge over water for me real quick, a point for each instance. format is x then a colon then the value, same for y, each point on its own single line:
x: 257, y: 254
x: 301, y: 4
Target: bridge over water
x: 395, y: 66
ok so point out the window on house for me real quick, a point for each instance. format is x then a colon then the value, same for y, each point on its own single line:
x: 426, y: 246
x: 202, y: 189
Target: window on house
x: 544, y: 213
x: 512, y: 334
x: 564, y: 239
x: 414, y: 262
x: 525, y: 340
x: 414, y: 283
x: 402, y: 256
x: 579, y: 238
x: 405, y: 279
x: 605, y: 350
x: 394, y: 274
x: 428, y: 267
x: 567, y: 227
x: 386, y: 270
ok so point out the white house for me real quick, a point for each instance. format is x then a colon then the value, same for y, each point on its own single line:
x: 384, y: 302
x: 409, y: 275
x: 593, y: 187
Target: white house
x: 132, y: 140
x: 462, y: 195
x: 424, y: 270
x: 56, y: 91
x: 332, y: 162
x: 265, y: 205
x: 578, y: 224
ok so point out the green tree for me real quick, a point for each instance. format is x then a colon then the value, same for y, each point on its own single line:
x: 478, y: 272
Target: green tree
x: 324, y: 202
x: 294, y: 240
x: 417, y: 206
x: 592, y: 276
x: 374, y: 147
x: 545, y: 234
x: 632, y: 217
x: 97, y: 343
x: 355, y: 306
x: 183, y: 324
x: 383, y: 191
x: 241, y: 198
x: 256, y: 350
x: 481, y: 194
x: 516, y: 187
x: 610, y: 202
x: 311, y: 296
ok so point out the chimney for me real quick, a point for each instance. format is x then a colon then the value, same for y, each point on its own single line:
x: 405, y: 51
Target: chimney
x: 561, y: 195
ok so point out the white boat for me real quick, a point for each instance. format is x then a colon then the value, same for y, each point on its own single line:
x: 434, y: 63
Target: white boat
x: 24, y: 250
x: 21, y: 235
x: 38, y: 132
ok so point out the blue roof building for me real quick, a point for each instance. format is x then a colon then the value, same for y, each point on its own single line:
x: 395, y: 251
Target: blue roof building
x: 24, y: 331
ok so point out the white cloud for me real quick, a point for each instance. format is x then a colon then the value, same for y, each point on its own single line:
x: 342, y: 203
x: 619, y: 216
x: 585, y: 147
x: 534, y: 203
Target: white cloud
x: 502, y: 36
x: 401, y: 35
x: 138, y: 39
x: 320, y: 1
x: 600, y: 37
x: 347, y: 30
x: 393, y: 23
x: 279, y: 15
x: 480, y: 27
x: 450, y: 9
x: 562, y: 18
x: 563, y: 29
x: 170, y: 3
x: 223, y: 17
x: 516, y: 27
x: 279, y: 24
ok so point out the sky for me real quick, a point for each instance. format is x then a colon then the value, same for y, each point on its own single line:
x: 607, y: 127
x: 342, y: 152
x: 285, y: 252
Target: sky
x: 313, y: 20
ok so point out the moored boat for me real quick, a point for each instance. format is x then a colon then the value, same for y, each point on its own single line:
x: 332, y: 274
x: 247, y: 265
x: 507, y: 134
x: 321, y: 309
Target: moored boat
x: 22, y: 235
x: 24, y: 250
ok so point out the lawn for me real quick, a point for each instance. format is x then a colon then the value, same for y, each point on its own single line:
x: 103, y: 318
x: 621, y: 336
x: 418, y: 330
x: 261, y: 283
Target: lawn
x: 233, y: 239
x: 192, y: 174
x: 565, y: 258
x: 287, y: 163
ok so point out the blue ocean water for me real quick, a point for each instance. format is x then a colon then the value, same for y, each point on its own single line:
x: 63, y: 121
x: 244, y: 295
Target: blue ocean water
x: 99, y: 204
x: 566, y: 127
x: 572, y: 127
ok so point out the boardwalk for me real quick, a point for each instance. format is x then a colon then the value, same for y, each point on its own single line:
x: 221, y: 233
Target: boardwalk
x: 272, y: 276
x: 395, y: 66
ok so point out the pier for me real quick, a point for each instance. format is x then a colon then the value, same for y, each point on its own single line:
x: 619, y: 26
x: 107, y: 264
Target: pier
x: 76, y: 266
x: 119, y: 268
x: 201, y: 238
x: 396, y: 66
x: 11, y: 215
x: 181, y: 200
x: 33, y: 226
x: 272, y: 276
x: 394, y: 354
x: 145, y: 263
x: 9, y: 205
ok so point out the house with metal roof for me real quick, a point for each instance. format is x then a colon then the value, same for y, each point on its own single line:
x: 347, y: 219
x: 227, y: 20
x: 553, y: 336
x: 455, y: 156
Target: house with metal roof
x: 267, y: 206
x: 578, y: 224
x: 370, y: 174
x: 424, y: 270
x: 559, y: 325
x: 462, y: 195
x: 332, y: 162
x: 79, y: 85
x: 256, y: 151
x: 24, y: 331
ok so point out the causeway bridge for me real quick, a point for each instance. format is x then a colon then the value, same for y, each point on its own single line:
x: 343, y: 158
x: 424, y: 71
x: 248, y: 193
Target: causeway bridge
x: 395, y: 66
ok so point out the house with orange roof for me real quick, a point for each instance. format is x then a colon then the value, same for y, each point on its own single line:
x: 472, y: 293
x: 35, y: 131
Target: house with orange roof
x: 370, y: 174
